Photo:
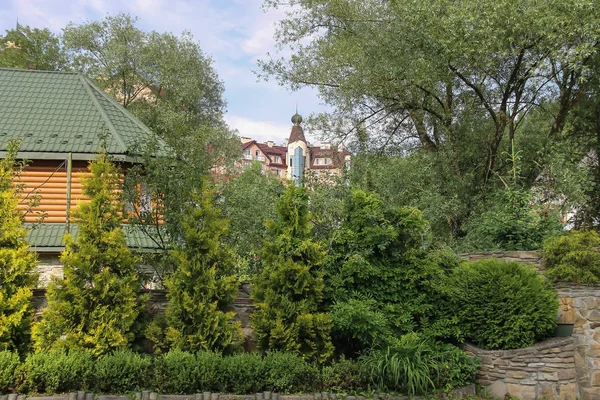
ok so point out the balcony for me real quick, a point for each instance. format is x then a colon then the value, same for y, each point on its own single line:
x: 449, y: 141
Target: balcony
x: 260, y: 158
x: 247, y: 156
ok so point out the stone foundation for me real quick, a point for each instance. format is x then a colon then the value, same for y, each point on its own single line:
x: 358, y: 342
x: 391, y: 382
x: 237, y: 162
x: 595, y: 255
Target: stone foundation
x: 543, y: 371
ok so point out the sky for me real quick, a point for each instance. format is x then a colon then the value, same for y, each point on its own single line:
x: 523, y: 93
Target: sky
x: 235, y: 33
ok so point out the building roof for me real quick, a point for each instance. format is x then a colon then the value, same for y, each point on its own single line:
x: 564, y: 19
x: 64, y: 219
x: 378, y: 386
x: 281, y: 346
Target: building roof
x: 336, y: 155
x: 55, y: 113
x: 297, y: 134
x: 48, y: 237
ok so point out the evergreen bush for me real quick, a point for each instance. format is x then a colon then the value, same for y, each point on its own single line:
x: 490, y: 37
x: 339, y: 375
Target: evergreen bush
x: 175, y: 372
x: 343, y: 376
x: 287, y: 372
x: 122, y: 371
x: 97, y: 305
x: 573, y: 257
x: 17, y: 264
x: 56, y: 371
x: 203, y: 286
x: 9, y: 361
x: 243, y: 373
x: 503, y: 305
x: 208, y: 371
x: 289, y: 291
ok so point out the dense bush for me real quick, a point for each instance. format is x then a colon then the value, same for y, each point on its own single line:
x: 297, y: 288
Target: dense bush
x: 288, y: 373
x: 208, y: 371
x: 573, y: 258
x: 344, y: 376
x: 122, y: 371
x: 175, y: 372
x: 9, y: 362
x: 416, y: 365
x: 56, y: 371
x: 503, y: 305
x: 243, y: 373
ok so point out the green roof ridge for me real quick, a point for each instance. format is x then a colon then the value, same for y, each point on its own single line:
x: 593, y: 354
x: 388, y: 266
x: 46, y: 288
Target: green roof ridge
x: 45, y: 71
x: 120, y: 107
x: 107, y: 121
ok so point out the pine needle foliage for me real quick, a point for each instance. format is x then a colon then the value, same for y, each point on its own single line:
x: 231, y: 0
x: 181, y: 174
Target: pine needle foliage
x: 97, y: 305
x: 17, y: 264
x: 289, y: 291
x: 573, y: 258
x: 203, y: 286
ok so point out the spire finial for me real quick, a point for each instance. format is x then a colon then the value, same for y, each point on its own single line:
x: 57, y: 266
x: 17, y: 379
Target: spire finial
x: 296, y: 118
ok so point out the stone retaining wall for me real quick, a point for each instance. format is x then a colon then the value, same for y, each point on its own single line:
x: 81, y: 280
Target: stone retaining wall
x: 546, y: 370
x: 533, y: 257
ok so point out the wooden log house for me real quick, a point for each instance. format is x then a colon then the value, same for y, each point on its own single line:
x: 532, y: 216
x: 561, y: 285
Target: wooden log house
x: 63, y: 120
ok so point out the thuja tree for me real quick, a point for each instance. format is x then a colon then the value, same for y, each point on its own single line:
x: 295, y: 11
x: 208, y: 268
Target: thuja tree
x: 17, y: 265
x: 382, y: 278
x: 203, y: 286
x: 96, y: 306
x: 289, y: 291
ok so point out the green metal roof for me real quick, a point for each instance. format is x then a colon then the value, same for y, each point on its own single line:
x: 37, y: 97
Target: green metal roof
x: 48, y: 237
x: 64, y: 112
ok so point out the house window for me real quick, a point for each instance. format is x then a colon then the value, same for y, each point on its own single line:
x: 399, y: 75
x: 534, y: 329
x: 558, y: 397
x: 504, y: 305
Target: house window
x: 248, y: 152
x: 257, y: 153
x: 277, y: 159
x: 327, y: 161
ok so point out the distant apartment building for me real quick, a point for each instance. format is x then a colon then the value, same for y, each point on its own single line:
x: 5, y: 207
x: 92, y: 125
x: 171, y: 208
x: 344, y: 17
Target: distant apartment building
x: 298, y: 158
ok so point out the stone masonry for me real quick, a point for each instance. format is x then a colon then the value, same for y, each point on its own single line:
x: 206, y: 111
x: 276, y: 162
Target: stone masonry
x: 543, y: 371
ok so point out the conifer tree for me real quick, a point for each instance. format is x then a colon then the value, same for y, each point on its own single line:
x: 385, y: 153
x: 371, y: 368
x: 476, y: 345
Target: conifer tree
x: 17, y: 264
x: 203, y: 285
x: 288, y: 292
x: 96, y: 306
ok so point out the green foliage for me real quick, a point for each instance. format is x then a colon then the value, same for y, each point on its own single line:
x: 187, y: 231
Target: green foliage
x: 343, y: 376
x: 381, y: 281
x: 208, y: 373
x: 29, y: 48
x: 503, y: 305
x: 9, y: 361
x: 573, y: 257
x: 288, y: 292
x: 243, y: 373
x: 203, y: 285
x: 286, y: 372
x: 511, y: 222
x: 417, y: 365
x: 175, y: 372
x: 248, y: 201
x: 56, y: 371
x: 97, y: 305
x: 17, y: 264
x: 122, y: 371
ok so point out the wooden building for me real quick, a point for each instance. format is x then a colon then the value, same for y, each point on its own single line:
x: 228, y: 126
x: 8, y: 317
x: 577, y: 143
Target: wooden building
x: 63, y: 120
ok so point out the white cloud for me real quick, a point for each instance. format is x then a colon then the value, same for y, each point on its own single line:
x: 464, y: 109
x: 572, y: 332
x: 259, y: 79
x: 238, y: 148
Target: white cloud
x: 259, y: 130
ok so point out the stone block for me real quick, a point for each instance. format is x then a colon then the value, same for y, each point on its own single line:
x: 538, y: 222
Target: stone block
x: 548, y: 390
x: 548, y: 376
x: 590, y: 394
x: 595, y: 379
x: 568, y: 391
x: 521, y: 391
x: 566, y: 374
x: 497, y: 389
x: 594, y: 316
x: 517, y: 374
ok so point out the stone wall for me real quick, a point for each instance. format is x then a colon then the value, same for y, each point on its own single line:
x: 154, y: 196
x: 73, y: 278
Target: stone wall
x: 533, y: 257
x: 580, y: 306
x: 546, y: 370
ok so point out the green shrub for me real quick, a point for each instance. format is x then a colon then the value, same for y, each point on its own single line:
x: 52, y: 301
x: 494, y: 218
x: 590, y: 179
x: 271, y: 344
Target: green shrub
x: 416, y: 365
x: 57, y: 371
x: 9, y: 362
x: 243, y: 373
x: 343, y: 375
x: 572, y: 258
x: 288, y: 373
x: 208, y: 372
x: 175, y: 372
x: 502, y: 305
x: 122, y: 371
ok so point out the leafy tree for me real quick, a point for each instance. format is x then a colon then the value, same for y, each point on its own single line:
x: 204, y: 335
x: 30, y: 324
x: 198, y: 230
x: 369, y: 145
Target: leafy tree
x: 203, y: 286
x: 289, y: 291
x: 97, y: 305
x: 248, y: 200
x: 453, y: 80
x: 380, y: 279
x: 33, y: 48
x: 17, y: 264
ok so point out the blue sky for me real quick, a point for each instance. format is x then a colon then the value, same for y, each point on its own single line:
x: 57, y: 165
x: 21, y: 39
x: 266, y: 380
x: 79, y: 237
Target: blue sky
x: 235, y: 33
